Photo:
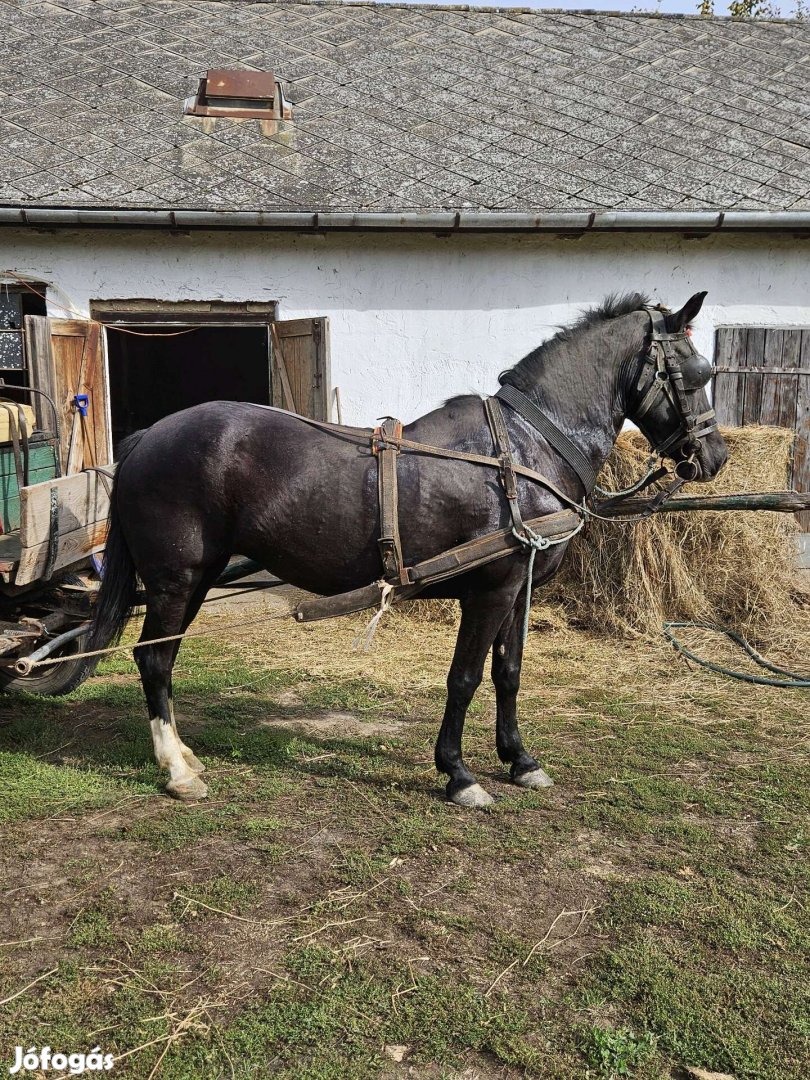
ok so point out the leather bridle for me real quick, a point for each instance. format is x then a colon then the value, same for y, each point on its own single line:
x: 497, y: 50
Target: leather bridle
x: 665, y: 374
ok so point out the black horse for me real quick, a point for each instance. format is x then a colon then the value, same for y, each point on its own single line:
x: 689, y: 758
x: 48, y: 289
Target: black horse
x: 228, y: 478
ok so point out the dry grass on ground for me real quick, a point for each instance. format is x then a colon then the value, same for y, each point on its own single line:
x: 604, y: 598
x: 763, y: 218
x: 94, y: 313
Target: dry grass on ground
x: 326, y: 915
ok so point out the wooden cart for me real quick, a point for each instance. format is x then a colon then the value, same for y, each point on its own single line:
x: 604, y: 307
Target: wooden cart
x: 54, y: 435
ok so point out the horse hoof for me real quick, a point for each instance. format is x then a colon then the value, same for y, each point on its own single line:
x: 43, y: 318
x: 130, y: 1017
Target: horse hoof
x: 187, y: 790
x: 473, y: 797
x: 193, y: 761
x: 533, y: 780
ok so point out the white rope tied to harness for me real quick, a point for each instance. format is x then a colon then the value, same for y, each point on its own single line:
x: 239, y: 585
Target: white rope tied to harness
x: 362, y: 643
x: 534, y: 542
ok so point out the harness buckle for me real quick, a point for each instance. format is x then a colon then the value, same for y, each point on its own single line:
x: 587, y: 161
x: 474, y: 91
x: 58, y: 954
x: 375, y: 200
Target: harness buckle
x: 508, y: 478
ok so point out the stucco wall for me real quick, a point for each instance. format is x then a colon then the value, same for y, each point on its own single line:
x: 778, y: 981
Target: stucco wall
x: 415, y: 319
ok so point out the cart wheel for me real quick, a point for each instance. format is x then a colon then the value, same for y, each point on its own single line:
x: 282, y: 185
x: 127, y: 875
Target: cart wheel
x: 56, y: 679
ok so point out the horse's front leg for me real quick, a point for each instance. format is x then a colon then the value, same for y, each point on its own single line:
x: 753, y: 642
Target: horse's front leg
x: 481, y: 618
x: 507, y: 659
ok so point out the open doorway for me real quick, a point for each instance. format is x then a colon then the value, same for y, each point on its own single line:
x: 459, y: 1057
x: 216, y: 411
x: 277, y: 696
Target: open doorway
x: 166, y: 356
x: 153, y: 376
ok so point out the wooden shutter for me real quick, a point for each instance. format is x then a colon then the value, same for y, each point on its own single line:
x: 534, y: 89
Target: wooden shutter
x: 763, y: 377
x: 300, y: 375
x: 66, y: 358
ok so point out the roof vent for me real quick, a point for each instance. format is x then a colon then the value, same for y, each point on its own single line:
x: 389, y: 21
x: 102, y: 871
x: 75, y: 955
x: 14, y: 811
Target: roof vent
x: 239, y: 94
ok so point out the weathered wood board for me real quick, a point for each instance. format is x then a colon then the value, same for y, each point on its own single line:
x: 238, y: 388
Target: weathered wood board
x: 66, y: 357
x: 304, y: 374
x: 82, y: 508
x: 764, y: 378
x: 71, y: 549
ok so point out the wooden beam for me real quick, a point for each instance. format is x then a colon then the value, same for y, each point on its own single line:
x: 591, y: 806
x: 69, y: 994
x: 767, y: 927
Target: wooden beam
x: 82, y: 500
x: 782, y: 502
x: 73, y: 548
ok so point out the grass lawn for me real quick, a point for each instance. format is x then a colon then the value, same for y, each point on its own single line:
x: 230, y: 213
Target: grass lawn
x: 326, y: 915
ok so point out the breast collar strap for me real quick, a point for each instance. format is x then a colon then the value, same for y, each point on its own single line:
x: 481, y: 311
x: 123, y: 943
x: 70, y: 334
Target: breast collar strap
x: 534, y: 415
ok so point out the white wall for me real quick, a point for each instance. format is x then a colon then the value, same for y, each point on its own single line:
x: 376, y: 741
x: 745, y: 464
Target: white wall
x: 416, y: 318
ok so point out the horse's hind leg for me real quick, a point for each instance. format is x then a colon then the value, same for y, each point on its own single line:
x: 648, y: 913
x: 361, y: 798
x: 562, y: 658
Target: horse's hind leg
x: 169, y: 610
x: 194, y: 605
x: 507, y: 659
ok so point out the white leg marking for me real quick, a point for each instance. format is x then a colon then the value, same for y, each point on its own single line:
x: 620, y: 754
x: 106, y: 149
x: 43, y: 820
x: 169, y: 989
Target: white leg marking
x: 192, y: 760
x: 183, y: 781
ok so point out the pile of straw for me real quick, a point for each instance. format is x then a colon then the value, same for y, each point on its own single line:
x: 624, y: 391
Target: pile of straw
x: 732, y: 567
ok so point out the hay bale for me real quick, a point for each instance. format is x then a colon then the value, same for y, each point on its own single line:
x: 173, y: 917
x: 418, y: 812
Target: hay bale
x: 735, y: 568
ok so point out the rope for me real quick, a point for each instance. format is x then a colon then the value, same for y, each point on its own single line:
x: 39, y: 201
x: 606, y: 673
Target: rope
x: 71, y: 310
x: 531, y: 540
x: 362, y: 642
x: 156, y: 641
x: 791, y: 680
x: 75, y: 313
x: 151, y: 333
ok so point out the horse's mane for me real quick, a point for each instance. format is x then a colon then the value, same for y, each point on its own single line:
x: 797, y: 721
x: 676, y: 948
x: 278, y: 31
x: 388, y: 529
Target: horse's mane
x: 524, y: 372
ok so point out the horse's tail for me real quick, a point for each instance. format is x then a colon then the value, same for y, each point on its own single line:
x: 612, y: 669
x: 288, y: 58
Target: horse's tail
x: 119, y: 584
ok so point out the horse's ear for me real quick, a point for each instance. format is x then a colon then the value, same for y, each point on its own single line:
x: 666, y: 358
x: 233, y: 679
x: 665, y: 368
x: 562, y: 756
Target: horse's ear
x: 679, y: 320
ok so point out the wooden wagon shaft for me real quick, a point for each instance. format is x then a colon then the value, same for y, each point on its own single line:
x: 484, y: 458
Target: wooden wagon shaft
x: 457, y: 560
x: 782, y: 502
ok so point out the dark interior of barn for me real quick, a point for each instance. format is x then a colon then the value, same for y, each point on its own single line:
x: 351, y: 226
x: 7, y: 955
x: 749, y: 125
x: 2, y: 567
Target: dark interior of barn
x: 159, y: 370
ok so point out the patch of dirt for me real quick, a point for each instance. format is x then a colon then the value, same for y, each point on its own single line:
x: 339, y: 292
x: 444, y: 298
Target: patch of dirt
x: 289, y: 698
x: 345, y: 725
x: 739, y: 832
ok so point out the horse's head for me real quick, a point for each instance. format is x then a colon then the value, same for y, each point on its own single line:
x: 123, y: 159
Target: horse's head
x: 667, y: 395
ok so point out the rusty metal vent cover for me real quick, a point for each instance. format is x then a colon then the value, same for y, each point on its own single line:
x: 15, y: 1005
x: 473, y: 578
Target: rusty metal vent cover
x: 239, y: 93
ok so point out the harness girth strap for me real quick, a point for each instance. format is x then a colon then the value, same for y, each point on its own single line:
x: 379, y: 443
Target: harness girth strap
x: 500, y: 437
x: 389, y: 543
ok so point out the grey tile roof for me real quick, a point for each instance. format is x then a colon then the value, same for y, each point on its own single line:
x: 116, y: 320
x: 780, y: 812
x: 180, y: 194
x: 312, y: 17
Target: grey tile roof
x: 409, y: 108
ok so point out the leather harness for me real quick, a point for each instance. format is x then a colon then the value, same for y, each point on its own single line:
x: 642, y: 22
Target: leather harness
x: 384, y: 446
x: 670, y: 377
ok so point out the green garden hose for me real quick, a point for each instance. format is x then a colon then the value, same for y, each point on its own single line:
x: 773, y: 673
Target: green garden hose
x: 790, y: 681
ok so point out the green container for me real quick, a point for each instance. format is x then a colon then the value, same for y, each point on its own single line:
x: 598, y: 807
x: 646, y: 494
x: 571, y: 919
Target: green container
x: 41, y: 466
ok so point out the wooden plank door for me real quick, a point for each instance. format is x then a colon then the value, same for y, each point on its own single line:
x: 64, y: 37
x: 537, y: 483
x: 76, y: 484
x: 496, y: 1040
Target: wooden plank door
x: 300, y: 372
x: 66, y: 359
x: 763, y: 377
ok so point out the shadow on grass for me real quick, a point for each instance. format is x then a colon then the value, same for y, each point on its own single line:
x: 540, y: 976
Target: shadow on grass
x: 95, y: 744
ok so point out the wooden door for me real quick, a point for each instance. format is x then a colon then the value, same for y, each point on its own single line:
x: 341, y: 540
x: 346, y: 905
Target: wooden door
x: 300, y: 374
x: 66, y: 360
x: 763, y: 377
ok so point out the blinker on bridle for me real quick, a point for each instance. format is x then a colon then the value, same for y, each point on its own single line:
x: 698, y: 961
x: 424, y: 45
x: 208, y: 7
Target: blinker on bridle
x: 673, y: 378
